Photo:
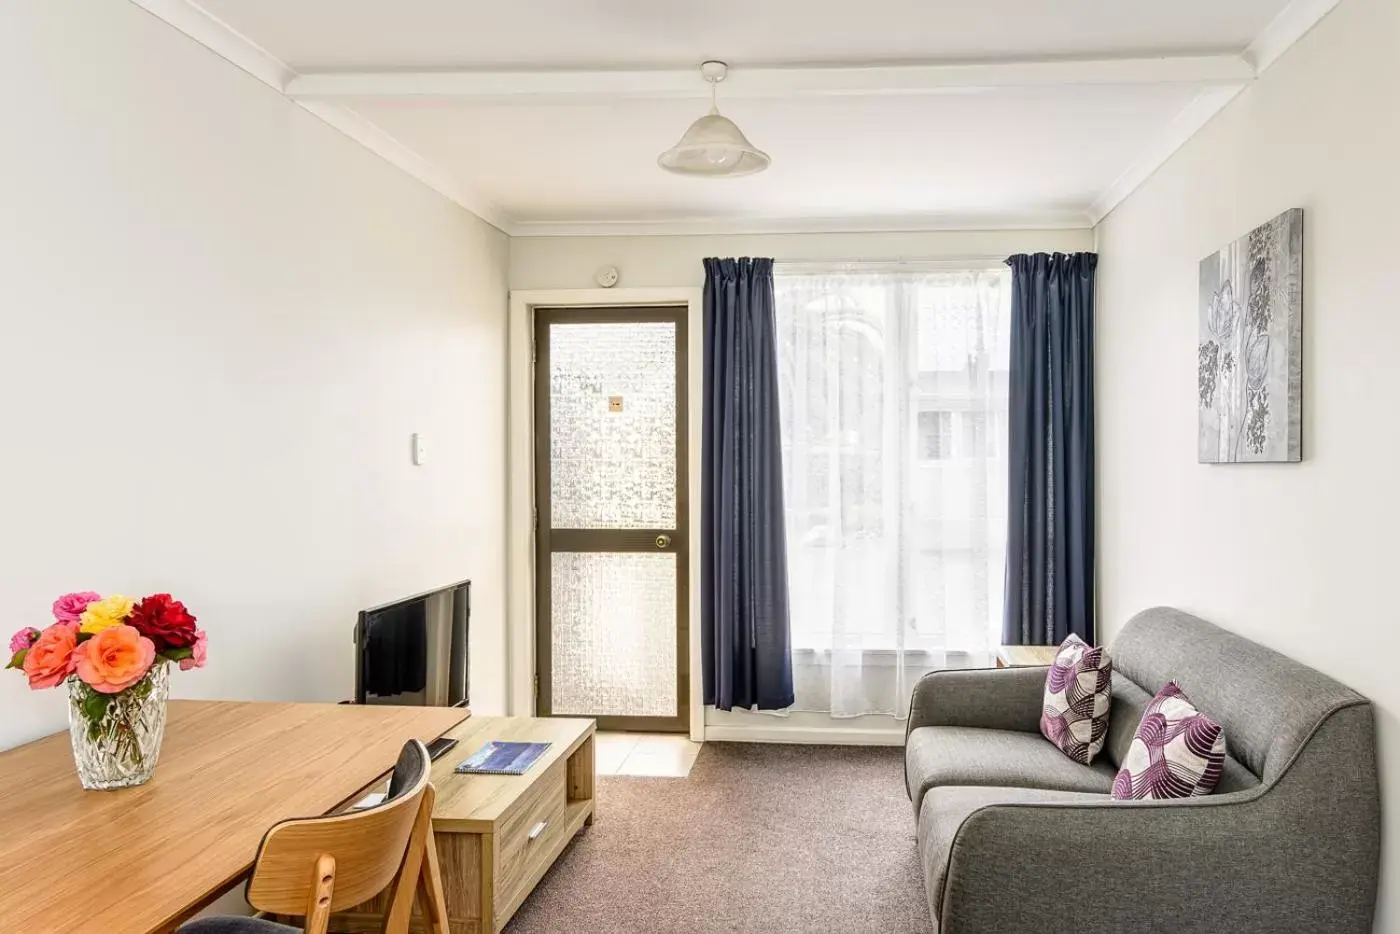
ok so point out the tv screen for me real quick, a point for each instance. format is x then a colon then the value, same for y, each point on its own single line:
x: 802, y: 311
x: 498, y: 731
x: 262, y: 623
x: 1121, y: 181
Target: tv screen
x: 414, y: 651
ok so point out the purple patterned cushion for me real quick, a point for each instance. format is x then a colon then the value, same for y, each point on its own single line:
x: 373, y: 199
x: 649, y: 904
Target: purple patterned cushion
x: 1177, y: 751
x: 1075, y: 714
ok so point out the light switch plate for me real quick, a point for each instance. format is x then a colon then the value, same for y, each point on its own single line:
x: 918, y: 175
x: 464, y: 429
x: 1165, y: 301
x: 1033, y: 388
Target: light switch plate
x: 420, y: 449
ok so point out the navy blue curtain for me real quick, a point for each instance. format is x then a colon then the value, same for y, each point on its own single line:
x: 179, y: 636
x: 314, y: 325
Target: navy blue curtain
x: 1050, y: 530
x: 744, y: 631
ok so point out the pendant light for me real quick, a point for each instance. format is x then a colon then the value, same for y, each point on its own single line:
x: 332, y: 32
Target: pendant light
x: 714, y: 147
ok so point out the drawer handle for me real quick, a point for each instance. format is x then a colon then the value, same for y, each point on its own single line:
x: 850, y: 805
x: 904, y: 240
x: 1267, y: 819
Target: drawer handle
x: 538, y: 829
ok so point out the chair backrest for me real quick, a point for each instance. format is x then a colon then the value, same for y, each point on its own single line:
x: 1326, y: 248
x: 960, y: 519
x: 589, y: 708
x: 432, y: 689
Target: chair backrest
x: 367, y: 846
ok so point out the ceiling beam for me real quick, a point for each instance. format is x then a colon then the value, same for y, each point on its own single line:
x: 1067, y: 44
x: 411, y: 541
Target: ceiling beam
x: 773, y: 82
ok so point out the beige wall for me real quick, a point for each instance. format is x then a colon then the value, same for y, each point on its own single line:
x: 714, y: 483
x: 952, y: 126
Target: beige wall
x: 657, y: 261
x: 663, y: 261
x: 221, y: 322
x: 1302, y: 557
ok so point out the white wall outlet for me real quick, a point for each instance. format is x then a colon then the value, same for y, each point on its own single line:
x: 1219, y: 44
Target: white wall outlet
x: 420, y: 449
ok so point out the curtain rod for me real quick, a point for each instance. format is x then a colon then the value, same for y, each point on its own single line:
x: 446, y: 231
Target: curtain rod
x: 864, y: 265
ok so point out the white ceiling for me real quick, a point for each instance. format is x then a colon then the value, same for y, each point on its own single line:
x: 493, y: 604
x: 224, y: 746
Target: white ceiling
x: 1002, y: 154
x: 951, y: 150
x: 341, y: 34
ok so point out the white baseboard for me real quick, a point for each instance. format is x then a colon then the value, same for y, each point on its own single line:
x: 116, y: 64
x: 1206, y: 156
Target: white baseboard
x: 825, y: 736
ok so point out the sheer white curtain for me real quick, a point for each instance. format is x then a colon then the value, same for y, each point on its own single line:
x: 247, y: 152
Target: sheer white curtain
x: 893, y: 389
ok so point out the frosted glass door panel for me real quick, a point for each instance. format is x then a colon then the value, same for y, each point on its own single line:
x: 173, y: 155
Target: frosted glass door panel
x: 613, y: 634
x: 612, y: 404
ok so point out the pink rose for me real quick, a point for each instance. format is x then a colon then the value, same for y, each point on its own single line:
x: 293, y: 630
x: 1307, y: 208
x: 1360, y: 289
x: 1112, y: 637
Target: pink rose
x: 70, y: 606
x: 23, y: 639
x: 198, y: 652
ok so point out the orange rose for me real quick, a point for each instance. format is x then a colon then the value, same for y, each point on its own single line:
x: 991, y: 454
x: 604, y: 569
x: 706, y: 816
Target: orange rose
x: 50, y: 659
x: 115, y: 659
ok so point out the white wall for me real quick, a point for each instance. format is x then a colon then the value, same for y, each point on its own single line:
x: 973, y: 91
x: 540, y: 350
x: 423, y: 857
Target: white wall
x: 1301, y: 558
x: 220, y: 321
x: 664, y: 261
x: 661, y: 261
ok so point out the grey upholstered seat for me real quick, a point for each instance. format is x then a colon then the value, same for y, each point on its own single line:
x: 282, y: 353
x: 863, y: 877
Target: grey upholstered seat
x: 1289, y: 841
x: 940, y: 756
x: 231, y: 925
x: 413, y: 761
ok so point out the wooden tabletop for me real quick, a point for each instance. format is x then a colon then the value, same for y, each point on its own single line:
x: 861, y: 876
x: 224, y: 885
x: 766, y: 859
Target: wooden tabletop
x: 142, y: 859
x: 1027, y: 656
x: 470, y: 803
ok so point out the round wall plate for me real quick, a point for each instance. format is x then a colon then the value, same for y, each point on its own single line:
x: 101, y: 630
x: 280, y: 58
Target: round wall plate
x: 714, y: 71
x: 607, y: 277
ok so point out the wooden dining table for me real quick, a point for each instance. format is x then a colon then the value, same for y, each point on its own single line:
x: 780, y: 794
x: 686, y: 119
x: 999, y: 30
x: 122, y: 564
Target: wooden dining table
x: 143, y: 860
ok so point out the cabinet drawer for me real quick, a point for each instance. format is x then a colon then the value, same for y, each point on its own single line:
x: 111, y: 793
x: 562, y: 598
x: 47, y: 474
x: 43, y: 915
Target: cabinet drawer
x: 523, y: 838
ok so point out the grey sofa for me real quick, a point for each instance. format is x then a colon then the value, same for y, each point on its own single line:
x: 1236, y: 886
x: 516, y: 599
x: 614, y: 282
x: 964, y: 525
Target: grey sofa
x: 1014, y: 837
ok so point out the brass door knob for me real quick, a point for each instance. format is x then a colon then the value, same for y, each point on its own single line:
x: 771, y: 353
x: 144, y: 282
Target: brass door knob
x: 663, y: 541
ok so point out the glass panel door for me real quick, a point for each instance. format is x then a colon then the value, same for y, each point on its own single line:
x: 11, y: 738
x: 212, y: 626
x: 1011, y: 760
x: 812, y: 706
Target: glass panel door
x: 610, y: 422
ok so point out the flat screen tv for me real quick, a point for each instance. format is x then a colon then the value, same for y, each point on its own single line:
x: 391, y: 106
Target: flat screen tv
x: 414, y: 651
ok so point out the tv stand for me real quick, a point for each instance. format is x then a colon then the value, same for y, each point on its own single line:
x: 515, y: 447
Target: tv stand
x: 497, y: 835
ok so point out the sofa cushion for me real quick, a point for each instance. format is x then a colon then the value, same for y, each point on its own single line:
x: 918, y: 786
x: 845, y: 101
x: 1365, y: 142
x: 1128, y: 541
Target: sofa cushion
x: 937, y: 756
x: 1268, y: 703
x: 1177, y: 752
x: 1125, y: 713
x: 1129, y: 704
x: 945, y: 809
x: 1077, y: 693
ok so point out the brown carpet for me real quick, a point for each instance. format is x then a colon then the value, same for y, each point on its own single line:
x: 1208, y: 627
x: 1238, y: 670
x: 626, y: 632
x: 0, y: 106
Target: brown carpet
x: 761, y: 838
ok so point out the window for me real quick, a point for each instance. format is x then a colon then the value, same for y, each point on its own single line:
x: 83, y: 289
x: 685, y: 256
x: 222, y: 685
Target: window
x: 935, y: 435
x: 893, y: 394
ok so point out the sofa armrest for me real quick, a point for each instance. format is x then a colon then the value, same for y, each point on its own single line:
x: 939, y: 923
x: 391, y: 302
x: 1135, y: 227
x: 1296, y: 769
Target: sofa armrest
x: 1137, y: 864
x: 991, y: 698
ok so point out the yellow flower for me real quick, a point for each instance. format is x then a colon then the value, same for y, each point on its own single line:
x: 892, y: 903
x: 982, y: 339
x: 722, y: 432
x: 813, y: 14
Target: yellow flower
x: 104, y: 614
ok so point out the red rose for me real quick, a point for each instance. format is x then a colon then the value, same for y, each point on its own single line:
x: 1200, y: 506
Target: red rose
x: 164, y: 620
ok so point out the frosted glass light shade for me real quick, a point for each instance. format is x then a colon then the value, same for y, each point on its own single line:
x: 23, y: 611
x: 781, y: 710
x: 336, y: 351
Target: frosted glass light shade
x: 714, y: 147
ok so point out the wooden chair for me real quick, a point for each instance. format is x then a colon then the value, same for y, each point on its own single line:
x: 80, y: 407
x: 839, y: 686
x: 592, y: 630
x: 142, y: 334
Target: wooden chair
x: 313, y: 866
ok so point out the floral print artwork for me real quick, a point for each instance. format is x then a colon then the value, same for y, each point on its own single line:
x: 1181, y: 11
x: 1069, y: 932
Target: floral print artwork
x: 1249, y: 362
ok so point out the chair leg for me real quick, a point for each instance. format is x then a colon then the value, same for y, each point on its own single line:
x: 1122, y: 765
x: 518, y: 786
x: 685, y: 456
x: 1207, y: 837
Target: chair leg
x: 400, y: 911
x: 318, y: 906
x: 430, y: 887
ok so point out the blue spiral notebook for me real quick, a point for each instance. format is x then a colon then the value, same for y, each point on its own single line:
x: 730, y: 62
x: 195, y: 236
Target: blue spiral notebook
x: 502, y: 759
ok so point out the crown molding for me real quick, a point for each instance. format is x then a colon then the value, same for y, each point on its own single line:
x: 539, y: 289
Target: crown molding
x: 391, y: 150
x: 1293, y: 23
x: 237, y: 49
x: 221, y: 39
x: 1183, y: 127
x: 907, y: 223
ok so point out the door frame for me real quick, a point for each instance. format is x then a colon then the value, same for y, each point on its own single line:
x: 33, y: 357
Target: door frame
x: 630, y: 540
x: 520, y: 476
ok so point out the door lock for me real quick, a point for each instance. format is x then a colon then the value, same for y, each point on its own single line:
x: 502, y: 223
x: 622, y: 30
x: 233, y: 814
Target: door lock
x: 663, y: 541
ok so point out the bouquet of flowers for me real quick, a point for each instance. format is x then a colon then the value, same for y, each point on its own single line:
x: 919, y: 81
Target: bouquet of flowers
x: 113, y: 652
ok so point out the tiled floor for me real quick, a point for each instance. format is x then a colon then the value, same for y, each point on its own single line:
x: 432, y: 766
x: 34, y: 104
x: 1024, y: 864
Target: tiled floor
x: 655, y: 755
